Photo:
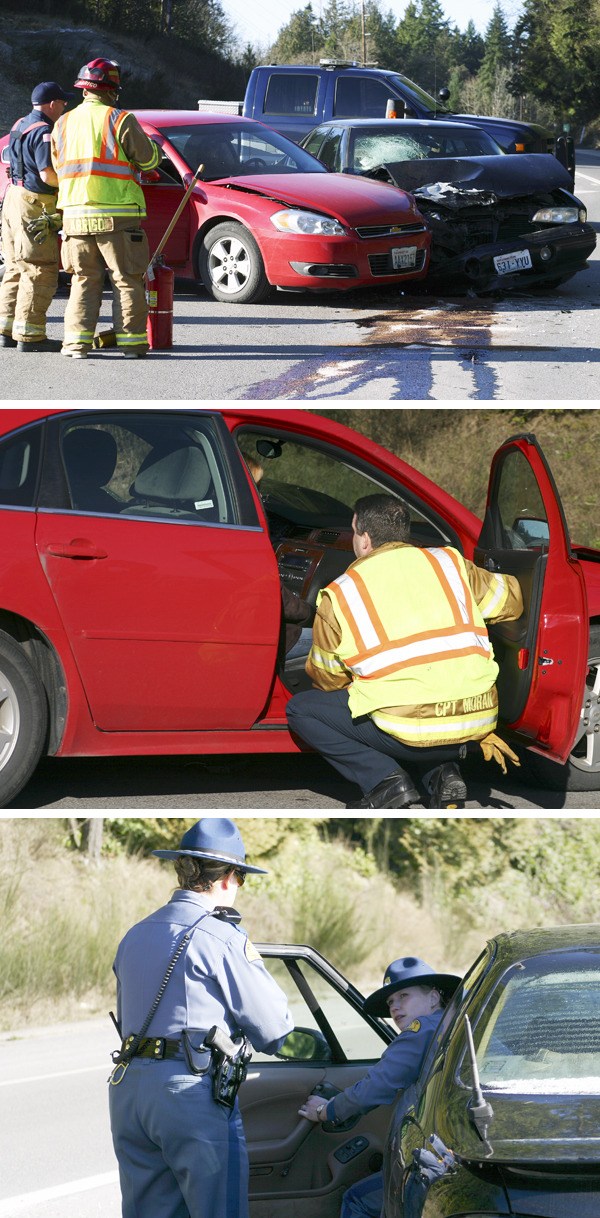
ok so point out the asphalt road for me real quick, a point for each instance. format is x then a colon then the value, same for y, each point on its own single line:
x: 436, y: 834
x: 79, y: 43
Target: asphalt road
x: 270, y: 783
x: 377, y: 345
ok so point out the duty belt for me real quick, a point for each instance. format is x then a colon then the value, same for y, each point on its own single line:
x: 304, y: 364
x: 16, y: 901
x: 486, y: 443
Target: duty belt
x: 159, y: 1048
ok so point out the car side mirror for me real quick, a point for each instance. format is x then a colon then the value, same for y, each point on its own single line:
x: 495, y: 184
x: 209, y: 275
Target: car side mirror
x: 444, y: 94
x: 305, y: 1045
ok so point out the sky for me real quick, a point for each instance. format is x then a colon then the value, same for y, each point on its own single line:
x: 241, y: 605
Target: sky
x: 260, y: 21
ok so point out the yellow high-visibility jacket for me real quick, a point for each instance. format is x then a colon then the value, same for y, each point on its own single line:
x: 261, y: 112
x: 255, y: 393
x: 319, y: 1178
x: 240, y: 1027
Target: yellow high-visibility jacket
x: 96, y: 151
x: 405, y: 629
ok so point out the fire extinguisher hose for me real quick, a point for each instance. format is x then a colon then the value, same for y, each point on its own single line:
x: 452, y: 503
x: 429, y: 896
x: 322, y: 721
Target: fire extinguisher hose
x: 163, y: 241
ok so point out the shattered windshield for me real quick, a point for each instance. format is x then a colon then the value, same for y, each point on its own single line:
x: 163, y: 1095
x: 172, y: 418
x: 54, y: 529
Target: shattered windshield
x: 381, y: 146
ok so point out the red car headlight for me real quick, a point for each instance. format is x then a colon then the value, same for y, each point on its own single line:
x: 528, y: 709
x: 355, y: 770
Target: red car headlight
x: 310, y: 223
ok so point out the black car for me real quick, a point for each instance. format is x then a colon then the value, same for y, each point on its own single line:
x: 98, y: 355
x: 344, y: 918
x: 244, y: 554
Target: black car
x: 498, y: 220
x: 522, y: 1141
x: 504, y: 1119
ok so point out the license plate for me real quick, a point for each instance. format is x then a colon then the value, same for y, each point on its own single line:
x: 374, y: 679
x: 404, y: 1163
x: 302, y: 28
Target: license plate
x: 401, y: 258
x: 519, y: 261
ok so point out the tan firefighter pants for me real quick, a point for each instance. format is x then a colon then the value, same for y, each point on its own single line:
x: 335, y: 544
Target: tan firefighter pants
x: 31, y: 271
x: 124, y: 253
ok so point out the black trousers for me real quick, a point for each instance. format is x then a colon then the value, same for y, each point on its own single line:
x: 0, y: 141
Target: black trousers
x: 358, y: 749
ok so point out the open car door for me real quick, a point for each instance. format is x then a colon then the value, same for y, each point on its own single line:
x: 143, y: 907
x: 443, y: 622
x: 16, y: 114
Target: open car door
x: 543, y: 657
x: 296, y: 1166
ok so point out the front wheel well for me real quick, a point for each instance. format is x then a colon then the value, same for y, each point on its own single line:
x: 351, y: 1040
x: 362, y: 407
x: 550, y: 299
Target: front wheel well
x: 44, y: 660
x: 207, y: 228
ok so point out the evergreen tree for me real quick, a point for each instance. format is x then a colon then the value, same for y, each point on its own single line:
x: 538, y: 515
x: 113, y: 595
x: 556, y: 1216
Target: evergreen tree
x: 498, y: 50
x: 300, y: 40
x: 558, y: 56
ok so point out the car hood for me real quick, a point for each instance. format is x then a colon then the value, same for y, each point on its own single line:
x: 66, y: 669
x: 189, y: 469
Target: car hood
x: 352, y: 200
x: 452, y: 182
x: 530, y: 1128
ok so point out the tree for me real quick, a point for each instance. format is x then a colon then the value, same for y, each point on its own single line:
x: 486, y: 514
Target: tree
x: 558, y: 56
x: 498, y: 51
x: 299, y: 40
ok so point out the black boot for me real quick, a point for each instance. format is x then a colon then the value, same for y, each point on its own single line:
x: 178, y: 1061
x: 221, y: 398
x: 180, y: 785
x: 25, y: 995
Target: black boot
x: 43, y: 344
x: 395, y: 791
x: 445, y: 786
x: 7, y: 341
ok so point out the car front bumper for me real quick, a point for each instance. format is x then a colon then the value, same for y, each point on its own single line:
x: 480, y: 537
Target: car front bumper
x: 565, y: 247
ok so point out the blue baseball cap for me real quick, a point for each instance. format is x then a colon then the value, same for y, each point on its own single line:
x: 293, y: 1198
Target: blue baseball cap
x: 214, y: 838
x: 401, y: 974
x: 49, y: 91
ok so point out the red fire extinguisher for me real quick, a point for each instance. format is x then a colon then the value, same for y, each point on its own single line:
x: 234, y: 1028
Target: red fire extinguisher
x: 160, y: 281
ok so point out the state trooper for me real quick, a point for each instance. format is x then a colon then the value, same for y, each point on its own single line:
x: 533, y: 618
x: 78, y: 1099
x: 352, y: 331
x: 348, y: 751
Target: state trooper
x: 403, y: 664
x: 180, y: 1146
x: 414, y: 995
x: 30, y: 224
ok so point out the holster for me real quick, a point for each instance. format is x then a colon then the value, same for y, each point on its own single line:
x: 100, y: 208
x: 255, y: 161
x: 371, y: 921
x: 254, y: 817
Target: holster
x: 197, y: 1054
x: 230, y: 1060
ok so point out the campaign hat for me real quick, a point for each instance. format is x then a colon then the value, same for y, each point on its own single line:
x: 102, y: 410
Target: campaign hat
x: 216, y: 839
x: 401, y: 974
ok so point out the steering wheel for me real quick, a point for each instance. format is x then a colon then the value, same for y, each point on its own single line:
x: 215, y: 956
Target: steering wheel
x: 255, y: 162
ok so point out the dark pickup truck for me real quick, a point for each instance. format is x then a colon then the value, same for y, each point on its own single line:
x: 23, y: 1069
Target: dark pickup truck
x: 294, y: 99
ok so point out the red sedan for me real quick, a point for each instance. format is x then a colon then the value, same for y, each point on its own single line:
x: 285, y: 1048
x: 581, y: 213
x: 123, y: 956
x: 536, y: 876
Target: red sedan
x: 140, y: 594
x: 268, y: 214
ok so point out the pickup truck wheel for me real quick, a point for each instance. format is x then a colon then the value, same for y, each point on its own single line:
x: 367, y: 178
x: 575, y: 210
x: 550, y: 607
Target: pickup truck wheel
x: 582, y: 771
x: 23, y: 719
x: 231, y: 266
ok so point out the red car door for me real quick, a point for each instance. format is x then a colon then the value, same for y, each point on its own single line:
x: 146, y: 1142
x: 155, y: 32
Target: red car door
x: 543, y: 656
x: 164, y: 578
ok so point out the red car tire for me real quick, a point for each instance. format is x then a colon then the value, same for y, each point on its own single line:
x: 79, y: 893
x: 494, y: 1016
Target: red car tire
x: 23, y: 719
x: 231, y: 265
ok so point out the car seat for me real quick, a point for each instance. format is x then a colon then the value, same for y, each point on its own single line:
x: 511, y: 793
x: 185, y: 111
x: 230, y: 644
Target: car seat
x: 90, y: 459
x: 180, y: 481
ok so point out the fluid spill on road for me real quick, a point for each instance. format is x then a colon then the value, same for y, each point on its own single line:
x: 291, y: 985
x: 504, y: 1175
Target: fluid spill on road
x: 449, y: 323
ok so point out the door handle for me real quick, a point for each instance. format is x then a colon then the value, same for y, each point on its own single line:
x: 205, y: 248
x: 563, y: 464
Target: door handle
x: 80, y: 547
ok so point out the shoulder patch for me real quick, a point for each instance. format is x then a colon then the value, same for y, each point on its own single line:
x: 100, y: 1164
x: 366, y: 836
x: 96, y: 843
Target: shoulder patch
x: 415, y: 1026
x: 250, y: 951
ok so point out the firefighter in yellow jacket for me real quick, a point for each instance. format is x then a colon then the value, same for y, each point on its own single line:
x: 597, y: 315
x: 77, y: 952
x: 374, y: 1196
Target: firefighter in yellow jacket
x: 97, y: 151
x: 403, y: 663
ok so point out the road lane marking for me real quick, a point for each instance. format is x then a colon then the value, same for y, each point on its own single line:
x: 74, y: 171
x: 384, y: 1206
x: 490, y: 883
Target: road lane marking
x: 588, y: 177
x: 11, y: 1207
x: 41, y: 1078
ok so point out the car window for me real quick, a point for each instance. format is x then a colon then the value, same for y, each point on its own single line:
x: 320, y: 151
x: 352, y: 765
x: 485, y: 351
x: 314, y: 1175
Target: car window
x: 522, y: 522
x: 292, y: 93
x: 541, y: 1028
x: 233, y: 149
x: 380, y: 145
x: 356, y: 1039
x: 19, y: 467
x: 142, y: 464
x: 313, y: 142
x: 360, y: 95
x: 309, y: 486
x: 331, y: 148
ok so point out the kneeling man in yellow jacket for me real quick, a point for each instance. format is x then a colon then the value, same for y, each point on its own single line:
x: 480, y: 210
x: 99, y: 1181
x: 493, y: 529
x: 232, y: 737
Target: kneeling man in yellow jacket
x: 402, y: 662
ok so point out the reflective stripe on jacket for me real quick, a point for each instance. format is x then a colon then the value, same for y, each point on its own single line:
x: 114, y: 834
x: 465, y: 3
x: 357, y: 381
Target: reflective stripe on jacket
x: 96, y: 176
x: 413, y: 640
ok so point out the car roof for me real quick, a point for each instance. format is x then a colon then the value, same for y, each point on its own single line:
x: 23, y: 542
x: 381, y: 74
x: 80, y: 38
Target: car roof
x: 175, y: 118
x: 399, y: 124
x: 542, y: 939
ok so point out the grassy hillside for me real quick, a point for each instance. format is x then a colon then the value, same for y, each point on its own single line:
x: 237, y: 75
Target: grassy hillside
x: 436, y: 889
x: 454, y: 447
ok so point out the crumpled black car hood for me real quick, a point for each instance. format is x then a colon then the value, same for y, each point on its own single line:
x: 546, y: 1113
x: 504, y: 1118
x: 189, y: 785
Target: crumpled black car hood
x: 450, y: 181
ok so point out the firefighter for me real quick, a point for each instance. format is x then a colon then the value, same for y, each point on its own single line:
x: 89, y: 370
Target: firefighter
x: 403, y: 664
x: 97, y: 150
x: 30, y: 224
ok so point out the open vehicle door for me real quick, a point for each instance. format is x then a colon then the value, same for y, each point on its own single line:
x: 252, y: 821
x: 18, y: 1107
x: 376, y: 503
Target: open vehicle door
x: 296, y: 1166
x: 543, y: 657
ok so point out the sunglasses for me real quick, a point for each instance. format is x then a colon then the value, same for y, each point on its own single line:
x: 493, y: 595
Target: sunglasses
x: 240, y: 877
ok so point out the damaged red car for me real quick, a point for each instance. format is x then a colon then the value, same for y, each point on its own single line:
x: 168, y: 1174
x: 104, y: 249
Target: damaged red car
x: 140, y: 601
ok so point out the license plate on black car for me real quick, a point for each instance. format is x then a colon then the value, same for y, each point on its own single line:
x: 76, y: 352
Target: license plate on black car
x: 404, y: 257
x: 506, y: 264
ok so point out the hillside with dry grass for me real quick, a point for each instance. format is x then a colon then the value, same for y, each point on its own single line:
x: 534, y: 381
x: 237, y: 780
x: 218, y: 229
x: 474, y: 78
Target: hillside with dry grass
x: 454, y: 447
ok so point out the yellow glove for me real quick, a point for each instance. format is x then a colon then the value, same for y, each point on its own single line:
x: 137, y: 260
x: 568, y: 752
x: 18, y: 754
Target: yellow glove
x: 495, y: 749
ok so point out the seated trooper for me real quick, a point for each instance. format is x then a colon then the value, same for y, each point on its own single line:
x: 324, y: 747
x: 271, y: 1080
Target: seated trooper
x: 414, y: 995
